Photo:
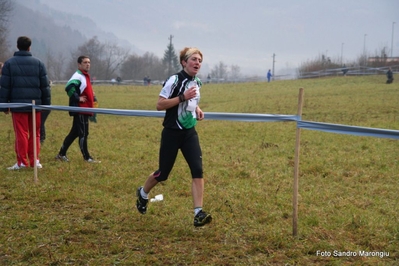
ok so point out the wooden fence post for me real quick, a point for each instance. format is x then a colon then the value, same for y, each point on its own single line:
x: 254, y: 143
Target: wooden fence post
x: 296, y: 168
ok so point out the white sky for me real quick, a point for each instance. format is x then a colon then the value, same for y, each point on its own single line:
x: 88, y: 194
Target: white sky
x: 247, y: 33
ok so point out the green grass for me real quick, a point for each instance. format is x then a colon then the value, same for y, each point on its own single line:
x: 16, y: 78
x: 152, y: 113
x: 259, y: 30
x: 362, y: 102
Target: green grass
x: 84, y: 214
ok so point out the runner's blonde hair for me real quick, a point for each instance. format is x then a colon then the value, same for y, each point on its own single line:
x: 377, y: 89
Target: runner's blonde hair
x: 187, y: 52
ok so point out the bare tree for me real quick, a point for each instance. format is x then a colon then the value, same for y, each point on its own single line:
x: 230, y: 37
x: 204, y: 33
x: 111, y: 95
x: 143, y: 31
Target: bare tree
x: 106, y: 58
x: 113, y: 57
x: 155, y: 67
x: 138, y: 67
x: 55, y: 65
x: 6, y: 7
x: 235, y: 73
x: 132, y: 68
x: 219, y: 72
x: 93, y: 48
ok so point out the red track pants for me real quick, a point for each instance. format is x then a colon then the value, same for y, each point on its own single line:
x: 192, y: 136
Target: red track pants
x: 23, y: 125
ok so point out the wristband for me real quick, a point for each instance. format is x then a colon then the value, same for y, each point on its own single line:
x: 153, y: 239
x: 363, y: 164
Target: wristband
x: 182, y: 98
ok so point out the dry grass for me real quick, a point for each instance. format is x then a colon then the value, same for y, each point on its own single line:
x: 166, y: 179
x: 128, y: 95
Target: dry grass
x: 82, y: 214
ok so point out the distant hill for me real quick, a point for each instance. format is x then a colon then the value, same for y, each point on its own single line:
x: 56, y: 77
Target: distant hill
x: 53, y: 31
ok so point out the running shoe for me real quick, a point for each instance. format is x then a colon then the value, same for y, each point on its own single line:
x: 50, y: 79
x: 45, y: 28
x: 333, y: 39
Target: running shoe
x: 202, y: 218
x: 62, y: 158
x: 141, y: 202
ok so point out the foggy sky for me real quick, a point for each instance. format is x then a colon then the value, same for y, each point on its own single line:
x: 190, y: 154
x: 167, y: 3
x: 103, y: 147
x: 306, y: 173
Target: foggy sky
x: 247, y: 33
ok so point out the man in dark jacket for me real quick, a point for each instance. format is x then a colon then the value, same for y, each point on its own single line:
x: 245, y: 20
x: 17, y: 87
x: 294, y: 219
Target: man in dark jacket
x: 24, y: 79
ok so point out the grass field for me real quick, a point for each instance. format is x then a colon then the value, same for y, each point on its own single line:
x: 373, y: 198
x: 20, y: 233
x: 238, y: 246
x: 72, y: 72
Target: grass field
x: 84, y: 214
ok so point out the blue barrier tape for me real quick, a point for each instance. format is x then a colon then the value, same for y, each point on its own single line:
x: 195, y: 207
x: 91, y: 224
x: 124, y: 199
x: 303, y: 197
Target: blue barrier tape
x: 209, y: 115
x: 332, y: 128
x: 250, y: 117
x: 351, y: 130
x: 102, y: 111
x: 14, y: 105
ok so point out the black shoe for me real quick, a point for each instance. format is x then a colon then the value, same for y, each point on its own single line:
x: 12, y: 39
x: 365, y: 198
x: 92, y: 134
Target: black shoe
x: 141, y: 202
x: 202, y: 218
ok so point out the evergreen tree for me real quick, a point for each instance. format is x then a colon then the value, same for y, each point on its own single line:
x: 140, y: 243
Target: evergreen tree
x: 170, y: 59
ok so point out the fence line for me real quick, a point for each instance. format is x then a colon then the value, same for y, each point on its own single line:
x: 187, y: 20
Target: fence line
x: 348, y: 71
x: 239, y: 117
x: 295, y: 74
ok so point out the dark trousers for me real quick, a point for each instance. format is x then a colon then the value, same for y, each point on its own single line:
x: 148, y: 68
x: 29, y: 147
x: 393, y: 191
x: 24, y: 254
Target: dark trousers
x: 188, y: 143
x: 80, y: 129
x: 45, y: 114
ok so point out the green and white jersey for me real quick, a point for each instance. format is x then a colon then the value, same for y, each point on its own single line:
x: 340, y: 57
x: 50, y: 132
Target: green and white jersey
x: 181, y: 116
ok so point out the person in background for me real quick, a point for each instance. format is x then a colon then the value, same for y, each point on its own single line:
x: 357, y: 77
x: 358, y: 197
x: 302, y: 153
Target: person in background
x: 344, y: 70
x: 389, y: 76
x: 24, y: 79
x: 269, y: 75
x: 44, y: 116
x: 180, y: 97
x: 80, y: 94
x: 118, y: 80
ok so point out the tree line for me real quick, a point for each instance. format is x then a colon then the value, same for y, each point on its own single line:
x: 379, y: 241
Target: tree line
x: 108, y: 60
